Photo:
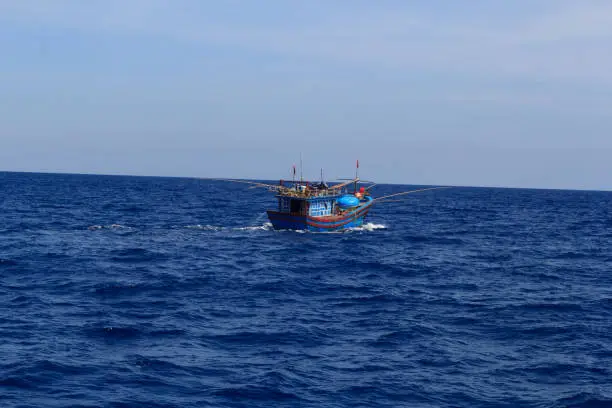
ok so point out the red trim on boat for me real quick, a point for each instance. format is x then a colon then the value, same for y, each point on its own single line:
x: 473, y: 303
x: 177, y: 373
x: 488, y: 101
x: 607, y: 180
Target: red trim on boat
x: 325, y: 222
x: 344, y: 221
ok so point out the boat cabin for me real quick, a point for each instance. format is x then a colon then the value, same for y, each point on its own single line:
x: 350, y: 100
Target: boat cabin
x: 312, y: 206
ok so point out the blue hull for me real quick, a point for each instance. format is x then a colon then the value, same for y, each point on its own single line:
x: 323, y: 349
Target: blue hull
x: 288, y: 221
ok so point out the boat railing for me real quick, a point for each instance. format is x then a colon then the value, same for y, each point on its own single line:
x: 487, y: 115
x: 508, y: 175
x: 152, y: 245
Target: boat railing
x: 306, y: 193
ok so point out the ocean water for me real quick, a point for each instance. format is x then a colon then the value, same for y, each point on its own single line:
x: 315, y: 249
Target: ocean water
x: 168, y: 292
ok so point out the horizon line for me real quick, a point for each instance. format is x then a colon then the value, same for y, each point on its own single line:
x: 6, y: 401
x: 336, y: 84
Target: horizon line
x: 251, y: 179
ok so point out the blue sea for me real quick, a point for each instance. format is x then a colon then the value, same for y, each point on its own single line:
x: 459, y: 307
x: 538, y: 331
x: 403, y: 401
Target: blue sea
x: 121, y: 291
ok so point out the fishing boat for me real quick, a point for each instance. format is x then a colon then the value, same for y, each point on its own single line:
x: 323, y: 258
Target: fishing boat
x: 318, y: 207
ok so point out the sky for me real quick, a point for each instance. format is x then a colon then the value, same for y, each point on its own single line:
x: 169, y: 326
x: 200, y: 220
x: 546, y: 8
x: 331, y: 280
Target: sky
x: 470, y: 93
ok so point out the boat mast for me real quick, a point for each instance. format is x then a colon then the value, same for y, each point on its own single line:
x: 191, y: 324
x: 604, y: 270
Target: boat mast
x: 301, y: 178
x: 356, y: 175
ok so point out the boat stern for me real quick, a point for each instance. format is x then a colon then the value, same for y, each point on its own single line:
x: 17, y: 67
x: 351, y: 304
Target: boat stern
x: 284, y: 221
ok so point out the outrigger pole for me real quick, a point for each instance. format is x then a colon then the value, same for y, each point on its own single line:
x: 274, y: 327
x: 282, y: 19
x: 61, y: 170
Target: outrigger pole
x: 344, y: 184
x: 409, y: 192
x: 254, y: 184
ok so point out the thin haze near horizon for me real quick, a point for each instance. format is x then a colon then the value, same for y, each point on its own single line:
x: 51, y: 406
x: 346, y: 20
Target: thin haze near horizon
x: 476, y: 92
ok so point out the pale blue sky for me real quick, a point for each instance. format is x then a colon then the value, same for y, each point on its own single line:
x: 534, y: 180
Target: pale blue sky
x: 476, y: 92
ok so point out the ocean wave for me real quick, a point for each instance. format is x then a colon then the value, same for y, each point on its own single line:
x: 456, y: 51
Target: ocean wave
x: 405, y: 337
x: 119, y: 332
x: 265, y: 227
x: 205, y: 227
x: 136, y: 255
x: 257, y: 393
x: 583, y: 400
x: 369, y: 227
x: 126, y: 332
x: 36, y: 373
x: 113, y: 227
x: 259, y: 337
x: 431, y: 239
x: 7, y: 262
x: 115, y: 288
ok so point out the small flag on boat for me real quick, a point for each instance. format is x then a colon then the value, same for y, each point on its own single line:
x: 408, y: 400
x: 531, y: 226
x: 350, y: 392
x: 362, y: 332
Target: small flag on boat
x: 294, y: 169
x: 357, y: 163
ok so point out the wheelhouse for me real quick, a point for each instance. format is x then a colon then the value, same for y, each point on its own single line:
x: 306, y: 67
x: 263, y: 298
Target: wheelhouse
x: 314, y: 206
